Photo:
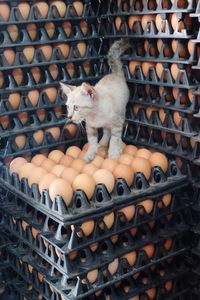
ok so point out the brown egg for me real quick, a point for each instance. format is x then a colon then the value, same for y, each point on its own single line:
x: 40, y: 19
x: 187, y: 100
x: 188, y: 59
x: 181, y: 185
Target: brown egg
x: 162, y: 115
x: 86, y: 183
x: 54, y: 71
x: 142, y: 165
x: 109, y: 164
x: 159, y: 69
x: 4, y: 11
x: 167, y: 199
x: 43, y: 8
x: 46, y: 50
x: 55, y: 132
x: 13, y: 32
x: 24, y: 9
x: 130, y: 149
x: 105, y: 177
x: 128, y: 211
x: 131, y: 257
x: 4, y: 121
x: 132, y: 20
x: 26, y: 170
x: 83, y: 26
x: 174, y: 71
x: 125, y: 159
x: 73, y: 151
x: 102, y: 151
x: 23, y: 117
x: 143, y: 152
x: 14, y: 100
x: 168, y: 244
x: 149, y: 249
x: 16, y: 164
x: 51, y: 92
x: 20, y: 141
x: 147, y: 205
x: 78, y: 8
x: 66, y: 160
x: 108, y: 221
x: 18, y: 76
x: 160, y: 160
x: 48, y: 164
x: 70, y: 69
x: 134, y: 298
x: 33, y: 97
x: 38, y: 159
x: 132, y: 65
x: 55, y: 155
x: 113, y: 266
x: 125, y: 172
x: 176, y: 118
x: 169, y: 285
x: 81, y: 49
x: 9, y: 54
x: 69, y: 174
x: 38, y: 136
x: 190, y: 46
x: 64, y: 49
x: 146, y: 66
x: 151, y: 293
x: 158, y: 21
x: 57, y: 170
x: 78, y: 164
x: 58, y: 111
x: 41, y: 113
x: 71, y: 129
x: 67, y: 27
x: 36, y: 73
x: 61, y: 8
x: 36, y: 175
x: 1, y: 78
x: 146, y: 19
x: 89, y: 169
x: 32, y: 30
x: 29, y: 52
x: 87, y: 228
x: 92, y: 275
x: 62, y: 188
x: 114, y: 238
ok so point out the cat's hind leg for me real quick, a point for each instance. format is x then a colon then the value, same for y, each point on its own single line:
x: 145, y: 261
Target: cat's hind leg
x: 92, y: 136
x: 115, y: 147
x: 104, y: 141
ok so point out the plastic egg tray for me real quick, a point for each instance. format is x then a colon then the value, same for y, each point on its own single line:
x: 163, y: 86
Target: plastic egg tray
x: 19, y: 259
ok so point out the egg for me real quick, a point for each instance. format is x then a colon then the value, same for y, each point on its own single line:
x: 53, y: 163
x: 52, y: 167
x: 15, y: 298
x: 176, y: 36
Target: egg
x: 86, y: 183
x: 125, y: 159
x: 38, y: 159
x: 62, y: 188
x: 71, y: 129
x: 176, y: 118
x: 160, y: 160
x: 29, y: 52
x: 168, y: 244
x: 46, y: 50
x: 146, y: 67
x: 38, y: 137
x: 147, y: 19
x: 81, y: 49
x: 55, y: 132
x: 48, y: 164
x: 87, y: 228
x: 109, y: 164
x: 158, y: 21
x: 73, y: 151
x: 97, y: 161
x: 13, y: 32
x: 108, y: 220
x: 55, y: 155
x: 66, y: 160
x: 174, y: 71
x: 141, y: 165
x: 147, y: 205
x: 36, y: 175
x: 9, y: 55
x: 130, y: 149
x: 23, y: 117
x: 132, y: 65
x: 77, y: 9
x: 113, y: 266
x: 24, y: 9
x: 132, y: 22
x: 58, y: 111
x: 14, y: 100
x: 78, y: 164
x: 51, y: 93
x: 1, y: 78
x: 32, y: 30
x: 4, y: 11
x: 42, y: 7
x: 84, y: 27
x: 149, y: 249
x: 17, y: 74
x: 64, y: 49
x: 131, y: 257
x: 41, y: 113
x: 32, y: 97
x: 61, y: 8
x: 36, y: 73
x: 26, y: 170
x: 67, y: 27
x: 89, y: 169
x: 151, y: 293
x: 53, y: 70
x: 125, y: 172
x: 92, y: 275
x: 143, y: 152
x: 128, y: 211
x: 159, y: 69
x: 57, y: 170
x: 20, y: 141
x: 16, y: 165
x: 167, y: 199
x: 69, y: 174
x: 103, y: 176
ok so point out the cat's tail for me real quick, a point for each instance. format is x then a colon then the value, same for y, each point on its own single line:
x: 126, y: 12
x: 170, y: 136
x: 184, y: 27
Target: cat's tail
x: 114, y: 54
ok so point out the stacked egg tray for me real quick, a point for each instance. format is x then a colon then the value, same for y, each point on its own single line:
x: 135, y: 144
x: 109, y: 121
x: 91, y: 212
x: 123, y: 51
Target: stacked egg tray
x: 36, y: 53
x: 155, y: 88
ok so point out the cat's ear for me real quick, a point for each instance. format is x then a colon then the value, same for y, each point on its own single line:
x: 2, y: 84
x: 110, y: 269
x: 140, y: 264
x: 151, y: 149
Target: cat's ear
x: 87, y: 89
x: 67, y: 88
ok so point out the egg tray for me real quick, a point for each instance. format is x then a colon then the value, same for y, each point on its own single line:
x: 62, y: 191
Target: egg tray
x: 75, y: 289
x: 184, y: 128
x: 28, y: 83
x: 139, y: 96
x: 145, y: 136
x: 112, y: 8
x: 39, y: 60
x: 108, y: 29
x: 82, y: 263
x: 52, y: 232
x: 102, y: 202
x: 197, y: 11
x: 89, y: 12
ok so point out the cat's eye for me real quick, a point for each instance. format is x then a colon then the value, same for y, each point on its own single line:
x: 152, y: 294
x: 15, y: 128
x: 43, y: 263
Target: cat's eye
x: 75, y: 107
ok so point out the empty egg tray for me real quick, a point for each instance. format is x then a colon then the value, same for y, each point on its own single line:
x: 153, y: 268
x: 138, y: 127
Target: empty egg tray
x: 77, y: 288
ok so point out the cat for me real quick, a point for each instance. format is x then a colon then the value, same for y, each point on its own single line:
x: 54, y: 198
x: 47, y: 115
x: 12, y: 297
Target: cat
x: 102, y: 105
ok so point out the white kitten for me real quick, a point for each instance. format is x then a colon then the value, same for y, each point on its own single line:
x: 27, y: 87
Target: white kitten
x: 102, y: 105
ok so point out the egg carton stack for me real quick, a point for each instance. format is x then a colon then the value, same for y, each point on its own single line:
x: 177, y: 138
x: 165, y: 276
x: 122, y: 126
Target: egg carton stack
x: 41, y: 44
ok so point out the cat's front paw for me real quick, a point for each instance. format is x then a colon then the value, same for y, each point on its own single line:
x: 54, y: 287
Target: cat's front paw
x: 114, y: 154
x: 89, y: 156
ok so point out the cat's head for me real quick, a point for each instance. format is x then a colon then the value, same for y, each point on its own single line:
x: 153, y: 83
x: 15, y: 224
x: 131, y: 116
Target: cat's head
x: 80, y: 100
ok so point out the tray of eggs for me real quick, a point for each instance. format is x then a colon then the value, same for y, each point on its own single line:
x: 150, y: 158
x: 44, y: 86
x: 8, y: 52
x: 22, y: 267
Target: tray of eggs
x: 40, y: 11
x: 154, y: 26
x: 175, y: 145
x: 160, y: 97
x: 138, y: 7
x: 96, y: 279
x: 88, y: 188
x: 163, y: 119
x: 78, y: 261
